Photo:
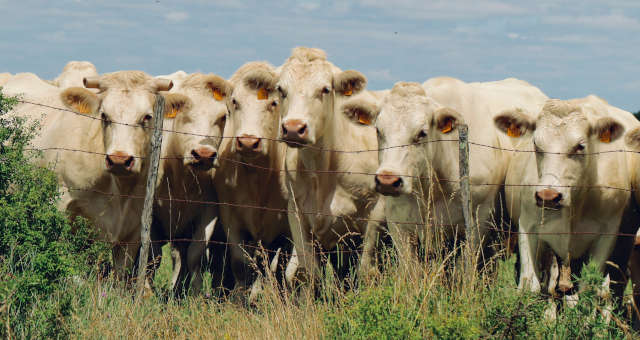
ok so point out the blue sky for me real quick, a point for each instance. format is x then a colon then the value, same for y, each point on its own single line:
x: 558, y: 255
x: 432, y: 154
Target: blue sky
x: 567, y: 48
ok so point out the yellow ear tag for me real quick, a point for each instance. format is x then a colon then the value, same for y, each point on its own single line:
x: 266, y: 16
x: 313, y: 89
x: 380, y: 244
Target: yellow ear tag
x: 364, y: 118
x: 217, y: 94
x: 348, y: 91
x: 448, y: 126
x: 605, y: 136
x: 81, y: 107
x: 263, y: 94
x: 513, y: 131
x: 171, y: 113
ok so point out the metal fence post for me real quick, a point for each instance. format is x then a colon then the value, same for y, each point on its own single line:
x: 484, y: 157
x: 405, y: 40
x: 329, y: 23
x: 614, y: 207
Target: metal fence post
x: 465, y: 188
x: 154, y: 160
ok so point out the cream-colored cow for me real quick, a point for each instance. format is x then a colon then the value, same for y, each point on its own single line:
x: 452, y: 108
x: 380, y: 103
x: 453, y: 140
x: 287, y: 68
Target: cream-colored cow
x: 419, y: 166
x: 4, y: 78
x: 569, y: 192
x: 251, y: 173
x: 330, y: 204
x: 195, y: 118
x: 74, y: 73
x: 99, y: 149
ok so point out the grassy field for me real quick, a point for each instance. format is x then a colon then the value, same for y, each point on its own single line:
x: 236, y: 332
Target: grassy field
x: 428, y: 300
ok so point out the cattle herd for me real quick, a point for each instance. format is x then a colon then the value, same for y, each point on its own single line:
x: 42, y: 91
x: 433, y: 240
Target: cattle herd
x: 301, y: 159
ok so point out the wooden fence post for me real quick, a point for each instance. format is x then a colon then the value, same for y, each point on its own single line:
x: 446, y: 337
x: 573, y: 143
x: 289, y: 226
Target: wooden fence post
x: 154, y: 160
x: 465, y: 188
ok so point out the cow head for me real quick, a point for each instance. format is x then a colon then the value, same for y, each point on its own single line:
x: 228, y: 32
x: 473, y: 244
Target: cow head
x: 198, y: 108
x: 74, y: 73
x: 125, y: 106
x: 407, y: 125
x: 309, y: 87
x: 563, y: 136
x: 254, y: 120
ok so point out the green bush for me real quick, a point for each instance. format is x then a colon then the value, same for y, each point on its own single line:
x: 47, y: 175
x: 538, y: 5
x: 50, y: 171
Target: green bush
x: 39, y: 247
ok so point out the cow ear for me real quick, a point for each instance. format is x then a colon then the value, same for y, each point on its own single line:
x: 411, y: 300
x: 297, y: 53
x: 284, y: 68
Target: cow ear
x: 447, y: 119
x: 262, y: 79
x: 175, y: 103
x: 607, y: 130
x: 349, y: 83
x: 219, y: 87
x: 514, y: 123
x: 80, y: 100
x: 360, y: 111
x: 632, y: 139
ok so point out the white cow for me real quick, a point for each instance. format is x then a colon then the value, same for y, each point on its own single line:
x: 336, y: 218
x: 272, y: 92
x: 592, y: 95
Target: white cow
x: 98, y: 150
x: 74, y: 73
x: 330, y: 203
x: 419, y: 164
x: 4, y: 78
x: 567, y: 196
x: 196, y: 113
x: 251, y: 172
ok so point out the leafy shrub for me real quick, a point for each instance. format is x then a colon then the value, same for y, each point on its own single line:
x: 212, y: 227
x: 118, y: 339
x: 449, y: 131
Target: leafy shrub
x: 39, y: 247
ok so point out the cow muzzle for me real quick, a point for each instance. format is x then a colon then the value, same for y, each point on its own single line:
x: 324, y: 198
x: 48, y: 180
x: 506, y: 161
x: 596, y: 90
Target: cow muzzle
x: 388, y: 183
x: 203, y: 158
x: 249, y: 145
x: 295, y: 133
x: 549, y: 198
x: 120, y: 163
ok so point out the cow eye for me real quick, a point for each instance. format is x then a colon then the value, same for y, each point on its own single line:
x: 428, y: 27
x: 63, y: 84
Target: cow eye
x: 326, y: 90
x: 147, y: 117
x: 422, y: 134
x: 104, y: 118
x: 579, y: 148
x: 274, y: 103
x: 282, y: 92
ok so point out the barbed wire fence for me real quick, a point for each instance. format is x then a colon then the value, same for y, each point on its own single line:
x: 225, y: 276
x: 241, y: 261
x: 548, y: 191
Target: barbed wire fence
x: 463, y: 180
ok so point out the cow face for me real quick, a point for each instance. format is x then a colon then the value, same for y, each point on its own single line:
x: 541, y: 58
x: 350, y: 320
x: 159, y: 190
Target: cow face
x: 253, y: 110
x: 407, y: 122
x: 563, y: 138
x: 125, y: 106
x: 308, y: 88
x: 199, y: 109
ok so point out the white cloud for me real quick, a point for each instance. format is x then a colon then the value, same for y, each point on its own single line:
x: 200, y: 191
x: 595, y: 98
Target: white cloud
x: 609, y: 21
x: 308, y: 6
x: 176, y: 16
x: 445, y: 9
x: 54, y: 37
x: 381, y: 75
x: 513, y: 36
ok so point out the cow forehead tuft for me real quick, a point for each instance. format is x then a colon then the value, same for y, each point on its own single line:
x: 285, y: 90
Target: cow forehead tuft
x: 125, y: 79
x: 307, y: 54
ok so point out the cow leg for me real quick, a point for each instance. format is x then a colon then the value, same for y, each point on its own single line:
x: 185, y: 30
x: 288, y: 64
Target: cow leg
x: 404, y: 220
x: 196, y: 249
x: 634, y: 268
x: 371, y: 240
x: 528, y: 244
x: 241, y: 257
x: 124, y: 256
x: 180, y: 279
x: 307, y: 266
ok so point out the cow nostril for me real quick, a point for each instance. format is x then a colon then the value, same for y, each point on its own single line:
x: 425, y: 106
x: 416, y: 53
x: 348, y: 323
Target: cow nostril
x: 129, y: 162
x: 558, y: 198
x: 195, y: 154
x: 397, y: 183
x: 109, y: 161
x: 256, y: 144
x: 214, y: 155
x: 284, y: 130
x: 302, y: 130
